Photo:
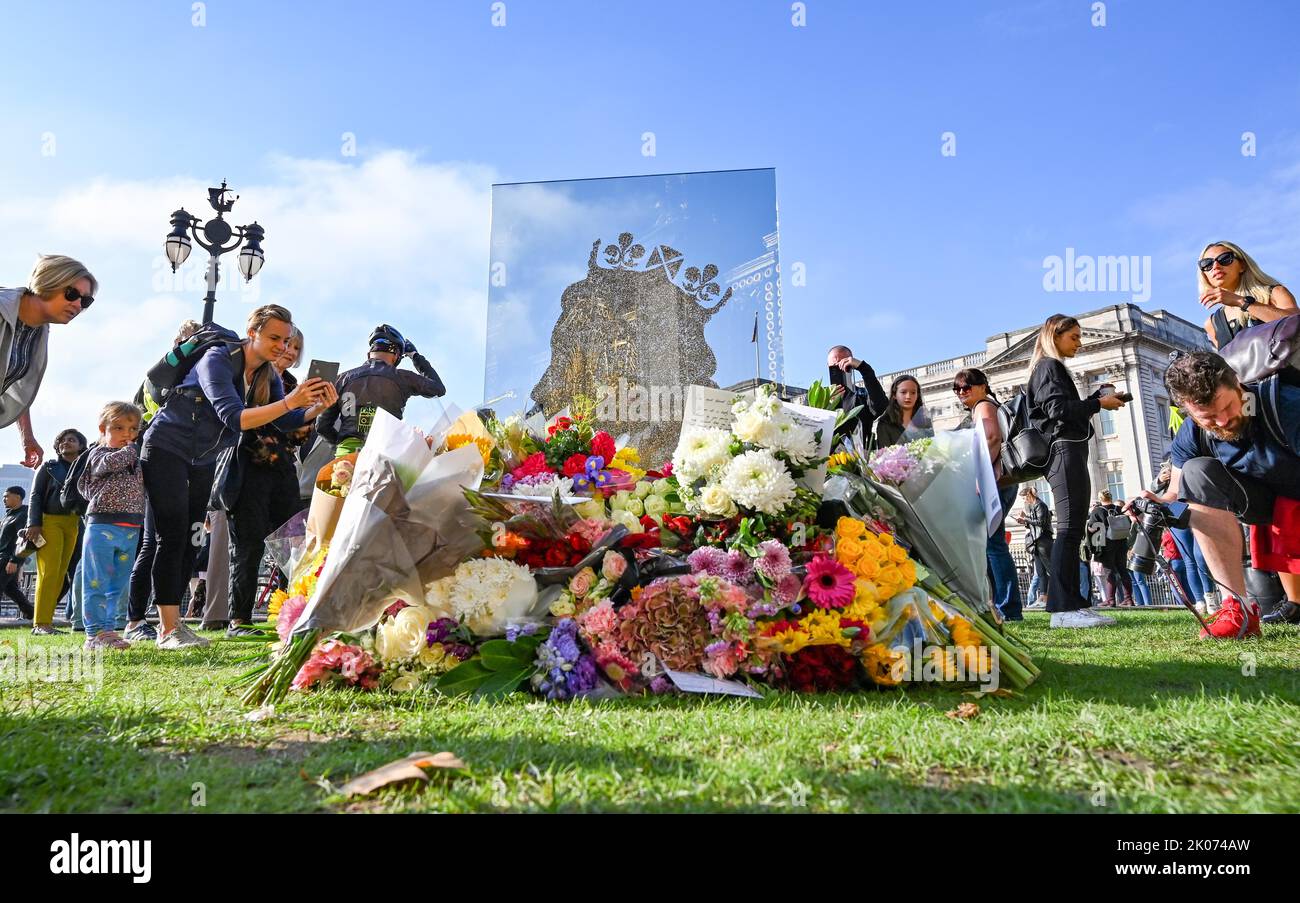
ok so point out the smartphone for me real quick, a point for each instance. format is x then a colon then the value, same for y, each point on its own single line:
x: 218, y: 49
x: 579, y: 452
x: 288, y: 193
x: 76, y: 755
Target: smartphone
x: 326, y: 370
x: 1125, y: 397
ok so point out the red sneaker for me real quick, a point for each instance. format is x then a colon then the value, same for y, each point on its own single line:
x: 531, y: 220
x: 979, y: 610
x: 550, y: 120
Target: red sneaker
x: 1236, y: 620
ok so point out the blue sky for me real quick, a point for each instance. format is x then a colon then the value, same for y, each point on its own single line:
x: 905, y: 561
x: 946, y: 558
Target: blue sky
x: 1117, y: 140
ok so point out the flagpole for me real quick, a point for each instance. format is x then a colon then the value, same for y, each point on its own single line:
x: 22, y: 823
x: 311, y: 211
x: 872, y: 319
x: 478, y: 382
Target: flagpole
x: 758, y: 369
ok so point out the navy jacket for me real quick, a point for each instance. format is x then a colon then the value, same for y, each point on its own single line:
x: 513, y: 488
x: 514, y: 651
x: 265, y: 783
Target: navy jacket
x: 201, y: 415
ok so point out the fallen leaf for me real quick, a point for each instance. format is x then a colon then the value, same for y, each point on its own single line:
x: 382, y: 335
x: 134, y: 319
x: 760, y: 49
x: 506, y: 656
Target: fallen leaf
x: 1001, y: 692
x: 411, y: 768
x: 964, y: 711
x: 264, y: 713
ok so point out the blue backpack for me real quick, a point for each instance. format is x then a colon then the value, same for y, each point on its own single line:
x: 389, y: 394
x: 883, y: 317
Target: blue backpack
x: 176, y: 364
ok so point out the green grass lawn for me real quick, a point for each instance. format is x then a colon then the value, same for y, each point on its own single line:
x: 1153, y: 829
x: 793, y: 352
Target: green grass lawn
x: 1141, y: 717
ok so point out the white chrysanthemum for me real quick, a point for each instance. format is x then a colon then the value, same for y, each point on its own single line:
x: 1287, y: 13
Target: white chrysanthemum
x: 752, y: 427
x: 700, y: 452
x: 796, y: 441
x: 756, y: 479
x: 545, y: 488
x: 490, y: 592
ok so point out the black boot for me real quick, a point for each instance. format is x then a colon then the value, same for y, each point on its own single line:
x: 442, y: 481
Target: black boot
x: 1284, y: 613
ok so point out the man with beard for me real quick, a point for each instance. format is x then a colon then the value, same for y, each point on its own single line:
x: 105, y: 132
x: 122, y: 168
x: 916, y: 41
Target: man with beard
x: 1233, y: 456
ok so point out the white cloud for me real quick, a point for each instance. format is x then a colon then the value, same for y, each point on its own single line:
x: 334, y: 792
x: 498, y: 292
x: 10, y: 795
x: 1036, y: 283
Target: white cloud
x: 390, y: 239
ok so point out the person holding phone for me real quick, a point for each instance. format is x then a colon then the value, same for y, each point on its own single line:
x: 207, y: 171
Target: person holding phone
x: 378, y: 383
x: 1064, y: 418
x: 870, y: 396
x: 228, y: 390
x: 268, y: 494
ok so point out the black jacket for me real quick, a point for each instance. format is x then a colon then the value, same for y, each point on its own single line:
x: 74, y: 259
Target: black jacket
x: 373, y: 385
x: 15, y: 520
x: 1054, y: 403
x: 872, y: 398
x: 48, y: 482
x: 1038, y: 521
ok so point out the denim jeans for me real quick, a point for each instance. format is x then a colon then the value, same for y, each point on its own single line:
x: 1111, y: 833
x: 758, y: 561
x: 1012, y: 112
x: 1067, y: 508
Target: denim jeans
x: 1085, y: 582
x: 1196, y: 572
x: 106, y: 561
x: 1141, y: 589
x: 1006, y: 584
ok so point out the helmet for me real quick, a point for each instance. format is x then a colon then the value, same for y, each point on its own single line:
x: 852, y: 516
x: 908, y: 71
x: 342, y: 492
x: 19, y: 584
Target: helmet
x: 386, y: 338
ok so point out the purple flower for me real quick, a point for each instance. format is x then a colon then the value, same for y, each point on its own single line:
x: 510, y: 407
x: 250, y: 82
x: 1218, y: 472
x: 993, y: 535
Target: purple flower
x: 506, y: 482
x: 515, y: 631
x: 773, y: 560
x: 737, y: 568
x: 595, y: 464
x: 707, y: 560
x: 439, y: 630
x: 661, y: 684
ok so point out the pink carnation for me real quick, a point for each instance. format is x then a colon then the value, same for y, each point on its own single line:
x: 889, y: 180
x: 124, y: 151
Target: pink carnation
x: 773, y: 560
x: 788, y: 589
x: 707, y: 560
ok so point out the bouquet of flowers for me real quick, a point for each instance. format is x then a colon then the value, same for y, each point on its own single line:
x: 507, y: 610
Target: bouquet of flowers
x: 751, y: 468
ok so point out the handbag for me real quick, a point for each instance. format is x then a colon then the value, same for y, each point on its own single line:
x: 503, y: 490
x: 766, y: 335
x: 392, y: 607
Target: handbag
x: 229, y: 478
x: 1259, y: 351
x: 1026, y: 451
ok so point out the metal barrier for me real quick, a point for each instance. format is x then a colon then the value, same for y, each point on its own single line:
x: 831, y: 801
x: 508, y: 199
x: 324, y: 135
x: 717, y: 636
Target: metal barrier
x: 1161, y: 593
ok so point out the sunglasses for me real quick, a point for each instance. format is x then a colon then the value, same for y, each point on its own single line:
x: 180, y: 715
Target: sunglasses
x: 959, y: 388
x: 73, y: 295
x: 1227, y: 258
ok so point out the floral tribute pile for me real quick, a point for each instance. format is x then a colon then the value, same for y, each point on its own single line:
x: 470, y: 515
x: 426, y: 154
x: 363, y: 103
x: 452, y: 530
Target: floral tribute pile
x: 719, y: 564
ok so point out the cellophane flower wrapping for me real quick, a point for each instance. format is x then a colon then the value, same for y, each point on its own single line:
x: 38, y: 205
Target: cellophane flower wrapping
x: 405, y: 523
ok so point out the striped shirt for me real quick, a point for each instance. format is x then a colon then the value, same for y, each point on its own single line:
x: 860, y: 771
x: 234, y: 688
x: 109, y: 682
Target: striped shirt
x: 20, y: 354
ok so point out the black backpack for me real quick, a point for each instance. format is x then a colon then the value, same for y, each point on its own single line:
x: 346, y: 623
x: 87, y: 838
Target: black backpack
x: 176, y: 364
x: 1025, y: 449
x: 70, y: 496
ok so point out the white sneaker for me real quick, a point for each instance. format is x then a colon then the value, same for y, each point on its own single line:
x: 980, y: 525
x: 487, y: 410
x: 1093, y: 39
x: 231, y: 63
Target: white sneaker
x: 1097, y: 616
x: 194, y: 638
x: 1037, y: 606
x: 180, y: 638
x: 1200, y: 609
x: 1074, y: 619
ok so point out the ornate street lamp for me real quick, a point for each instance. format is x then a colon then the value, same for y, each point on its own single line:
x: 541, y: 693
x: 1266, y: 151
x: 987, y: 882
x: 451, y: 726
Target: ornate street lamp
x: 215, y: 236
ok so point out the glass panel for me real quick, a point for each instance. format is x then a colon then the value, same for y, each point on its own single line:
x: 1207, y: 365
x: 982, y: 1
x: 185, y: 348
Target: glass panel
x: 628, y: 290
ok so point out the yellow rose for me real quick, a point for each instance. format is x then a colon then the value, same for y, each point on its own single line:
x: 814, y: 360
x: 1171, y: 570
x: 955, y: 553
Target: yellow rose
x: 868, y: 568
x: 885, y: 539
x: 897, y: 554
x: 405, y: 683
x: 850, y: 528
x: 432, y: 656
x: 873, y: 551
x: 848, y: 551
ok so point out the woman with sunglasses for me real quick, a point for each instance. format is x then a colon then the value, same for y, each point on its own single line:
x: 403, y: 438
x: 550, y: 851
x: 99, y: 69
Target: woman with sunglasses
x: 58, y: 290
x: 905, y: 416
x: 1237, y: 292
x: 1064, y: 418
x: 971, y: 387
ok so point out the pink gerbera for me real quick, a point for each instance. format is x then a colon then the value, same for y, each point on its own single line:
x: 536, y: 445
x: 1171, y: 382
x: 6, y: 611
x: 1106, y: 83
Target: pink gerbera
x: 829, y: 584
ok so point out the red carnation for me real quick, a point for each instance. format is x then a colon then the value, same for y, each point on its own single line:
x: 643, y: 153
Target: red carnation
x: 533, y: 465
x: 603, y: 444
x: 575, y: 465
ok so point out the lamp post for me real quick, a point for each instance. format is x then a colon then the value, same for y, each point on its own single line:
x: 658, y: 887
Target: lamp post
x: 215, y: 236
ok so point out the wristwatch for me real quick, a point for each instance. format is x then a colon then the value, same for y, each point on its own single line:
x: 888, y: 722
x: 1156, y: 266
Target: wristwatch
x: 1247, y: 303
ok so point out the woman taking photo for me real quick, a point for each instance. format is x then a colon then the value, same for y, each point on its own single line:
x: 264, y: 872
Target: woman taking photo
x: 1237, y: 292
x: 228, y: 390
x: 60, y: 529
x: 1056, y: 409
x: 267, y: 498
x: 972, y: 389
x: 905, y: 418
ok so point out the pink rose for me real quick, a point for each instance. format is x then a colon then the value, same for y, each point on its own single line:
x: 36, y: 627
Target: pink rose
x: 580, y: 583
x: 613, y: 566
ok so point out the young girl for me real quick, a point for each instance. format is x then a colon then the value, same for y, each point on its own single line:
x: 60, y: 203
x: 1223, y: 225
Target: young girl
x: 114, y: 487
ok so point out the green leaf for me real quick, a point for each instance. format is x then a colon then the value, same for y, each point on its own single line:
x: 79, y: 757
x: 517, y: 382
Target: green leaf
x: 503, y: 683
x: 501, y: 655
x: 464, y: 678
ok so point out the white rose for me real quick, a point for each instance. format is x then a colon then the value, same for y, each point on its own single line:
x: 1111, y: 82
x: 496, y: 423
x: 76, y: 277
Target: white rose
x: 642, y: 489
x: 402, y: 637
x: 593, y: 509
x: 714, y: 500
x: 627, y: 519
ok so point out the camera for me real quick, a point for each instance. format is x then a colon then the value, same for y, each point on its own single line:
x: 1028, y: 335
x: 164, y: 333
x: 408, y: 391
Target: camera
x: 1154, y: 518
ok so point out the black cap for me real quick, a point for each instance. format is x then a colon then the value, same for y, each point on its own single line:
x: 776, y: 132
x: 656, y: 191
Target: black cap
x: 18, y: 491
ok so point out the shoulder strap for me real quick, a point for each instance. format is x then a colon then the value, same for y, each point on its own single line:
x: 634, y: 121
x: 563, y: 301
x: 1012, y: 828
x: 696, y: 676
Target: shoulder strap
x: 1223, y: 331
x: 1265, y: 394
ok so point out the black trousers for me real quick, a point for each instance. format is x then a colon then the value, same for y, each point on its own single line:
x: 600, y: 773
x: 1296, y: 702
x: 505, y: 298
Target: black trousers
x: 142, y: 570
x: 178, y: 498
x: 268, y: 498
x: 11, y: 587
x: 1068, y: 476
x: 1039, y: 554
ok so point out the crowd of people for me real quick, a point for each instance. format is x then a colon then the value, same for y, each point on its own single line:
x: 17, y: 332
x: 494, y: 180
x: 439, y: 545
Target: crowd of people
x: 1235, y: 460
x: 221, y: 432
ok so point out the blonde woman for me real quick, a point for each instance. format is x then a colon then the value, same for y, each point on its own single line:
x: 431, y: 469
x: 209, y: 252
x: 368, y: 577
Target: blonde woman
x: 1064, y: 418
x: 227, y: 391
x: 1237, y: 292
x: 58, y: 290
